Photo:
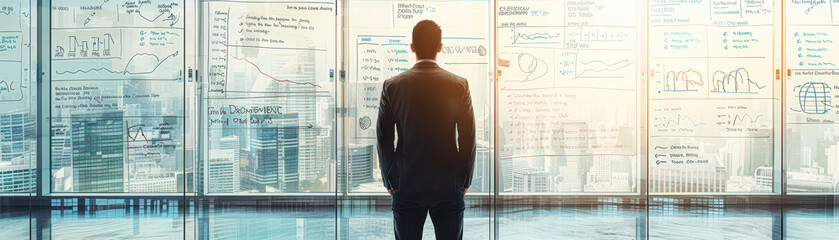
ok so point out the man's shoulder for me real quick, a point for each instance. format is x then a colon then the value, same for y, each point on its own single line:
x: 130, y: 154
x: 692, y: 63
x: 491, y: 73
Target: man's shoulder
x: 458, y: 79
x: 396, y: 79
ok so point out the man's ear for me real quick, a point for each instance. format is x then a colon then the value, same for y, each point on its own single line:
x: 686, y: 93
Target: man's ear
x: 440, y: 48
x: 412, y: 48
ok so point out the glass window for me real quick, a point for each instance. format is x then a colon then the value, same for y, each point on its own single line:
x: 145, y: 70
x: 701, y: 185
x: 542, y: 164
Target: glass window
x: 18, y: 98
x: 117, y: 97
x: 569, y: 96
x: 379, y: 35
x: 811, y: 146
x: 711, y: 97
x: 270, y: 97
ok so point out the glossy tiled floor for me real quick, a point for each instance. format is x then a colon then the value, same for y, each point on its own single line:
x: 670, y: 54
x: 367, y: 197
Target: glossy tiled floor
x: 360, y: 220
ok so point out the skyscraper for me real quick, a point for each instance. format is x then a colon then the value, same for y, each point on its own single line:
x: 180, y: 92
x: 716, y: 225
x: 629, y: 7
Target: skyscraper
x: 232, y: 143
x: 506, y: 170
x: 264, y: 161
x: 17, y: 145
x: 361, y: 161
x: 17, y: 178
x: 223, y: 173
x: 531, y: 180
x: 289, y: 143
x: 98, y: 151
x: 482, y: 172
x: 664, y: 180
x: 17, y: 135
x: 60, y: 147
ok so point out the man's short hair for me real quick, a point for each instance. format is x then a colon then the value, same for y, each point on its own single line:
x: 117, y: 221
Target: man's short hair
x: 427, y: 38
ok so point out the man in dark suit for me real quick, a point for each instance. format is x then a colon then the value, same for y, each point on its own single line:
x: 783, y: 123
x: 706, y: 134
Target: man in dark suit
x: 430, y: 167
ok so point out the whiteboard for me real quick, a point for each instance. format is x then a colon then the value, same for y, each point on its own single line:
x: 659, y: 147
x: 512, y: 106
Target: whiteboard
x: 270, y: 97
x: 569, y: 96
x: 117, y: 95
x: 811, y: 147
x: 711, y: 96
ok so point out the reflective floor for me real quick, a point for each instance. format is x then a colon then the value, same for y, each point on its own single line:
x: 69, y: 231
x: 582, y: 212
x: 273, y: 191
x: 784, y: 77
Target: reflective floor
x: 371, y: 220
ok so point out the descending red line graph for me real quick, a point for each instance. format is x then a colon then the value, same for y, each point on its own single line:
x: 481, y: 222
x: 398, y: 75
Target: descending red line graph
x: 272, y: 77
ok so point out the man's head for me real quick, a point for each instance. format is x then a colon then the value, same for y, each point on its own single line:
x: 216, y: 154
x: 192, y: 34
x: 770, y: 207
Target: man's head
x: 427, y: 40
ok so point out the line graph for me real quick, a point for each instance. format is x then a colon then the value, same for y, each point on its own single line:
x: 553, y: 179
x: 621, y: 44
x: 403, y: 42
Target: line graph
x: 736, y: 81
x: 533, y: 38
x: 682, y: 81
x: 666, y: 122
x: 129, y: 64
x: 748, y: 119
x: 272, y: 77
x: 138, y: 133
x: 597, y: 66
x: 738, y: 120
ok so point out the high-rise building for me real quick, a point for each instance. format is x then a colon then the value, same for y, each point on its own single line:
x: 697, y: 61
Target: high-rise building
x: 531, y: 181
x: 61, y: 147
x: 17, y: 136
x: 602, y: 168
x: 506, y: 169
x: 361, y: 162
x: 482, y: 171
x: 223, y: 173
x: 98, y: 151
x: 17, y: 145
x: 289, y: 144
x: 263, y: 166
x: 232, y: 143
x: 154, y: 185
x: 17, y: 178
x: 185, y: 182
x: 664, y: 180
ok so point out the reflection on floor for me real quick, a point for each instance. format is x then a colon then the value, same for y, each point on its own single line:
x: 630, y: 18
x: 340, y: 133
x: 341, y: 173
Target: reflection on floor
x: 368, y: 220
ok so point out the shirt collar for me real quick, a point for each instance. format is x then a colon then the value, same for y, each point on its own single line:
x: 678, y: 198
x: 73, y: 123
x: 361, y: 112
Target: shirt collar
x: 427, y: 60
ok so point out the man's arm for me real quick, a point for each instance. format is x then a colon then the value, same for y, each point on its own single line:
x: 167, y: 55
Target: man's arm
x: 466, y: 134
x: 384, y: 132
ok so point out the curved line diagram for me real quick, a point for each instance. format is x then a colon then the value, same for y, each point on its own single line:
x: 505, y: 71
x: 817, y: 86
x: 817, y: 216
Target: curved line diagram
x: 683, y: 76
x: 9, y: 87
x: 743, y: 117
x: 272, y: 77
x: 679, y: 119
x: 534, y: 68
x: 172, y: 17
x: 532, y: 36
x: 606, y: 66
x: 125, y: 70
x: 139, y: 133
x: 604, y: 63
x: 740, y: 76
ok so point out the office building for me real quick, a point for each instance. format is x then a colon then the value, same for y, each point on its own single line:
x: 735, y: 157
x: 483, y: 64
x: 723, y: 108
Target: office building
x: 361, y: 164
x: 98, y: 152
x: 223, y: 171
x: 531, y: 181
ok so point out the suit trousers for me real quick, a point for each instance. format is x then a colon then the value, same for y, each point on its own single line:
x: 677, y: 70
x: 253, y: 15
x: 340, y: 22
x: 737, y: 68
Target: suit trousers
x: 410, y: 210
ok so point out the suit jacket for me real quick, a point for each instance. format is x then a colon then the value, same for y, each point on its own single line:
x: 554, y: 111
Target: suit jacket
x: 431, y: 111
